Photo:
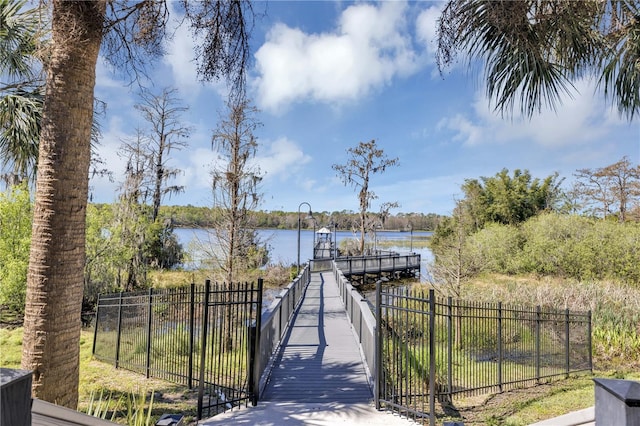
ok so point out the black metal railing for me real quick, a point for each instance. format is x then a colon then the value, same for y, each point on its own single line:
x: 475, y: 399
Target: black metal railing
x: 275, y: 323
x: 201, y: 335
x: 433, y: 349
x: 388, y: 262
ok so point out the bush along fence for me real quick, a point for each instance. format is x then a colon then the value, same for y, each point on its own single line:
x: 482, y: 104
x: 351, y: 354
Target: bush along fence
x: 205, y: 336
x: 431, y: 349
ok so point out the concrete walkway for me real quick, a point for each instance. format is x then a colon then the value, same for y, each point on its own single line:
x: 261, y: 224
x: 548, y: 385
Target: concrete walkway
x: 584, y: 417
x: 319, y: 377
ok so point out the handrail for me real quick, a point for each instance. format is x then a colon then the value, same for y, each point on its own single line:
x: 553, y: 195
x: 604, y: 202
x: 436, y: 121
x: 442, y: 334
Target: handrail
x: 275, y: 322
x: 361, y: 317
x: 376, y: 264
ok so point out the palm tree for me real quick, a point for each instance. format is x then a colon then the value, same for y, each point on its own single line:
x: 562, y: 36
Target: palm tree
x: 21, y: 47
x: 55, y: 275
x: 56, y: 262
x: 533, y: 50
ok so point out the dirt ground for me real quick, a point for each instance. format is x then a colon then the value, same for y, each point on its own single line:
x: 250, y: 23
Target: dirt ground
x: 501, y: 408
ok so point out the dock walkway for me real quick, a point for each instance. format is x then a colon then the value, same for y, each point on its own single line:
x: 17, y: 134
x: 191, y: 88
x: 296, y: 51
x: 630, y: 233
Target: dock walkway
x: 320, y: 359
x: 318, y: 376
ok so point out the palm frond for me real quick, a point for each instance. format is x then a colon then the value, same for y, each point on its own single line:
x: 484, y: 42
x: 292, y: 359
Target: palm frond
x: 20, y: 115
x: 20, y: 40
x: 532, y: 50
x: 621, y: 65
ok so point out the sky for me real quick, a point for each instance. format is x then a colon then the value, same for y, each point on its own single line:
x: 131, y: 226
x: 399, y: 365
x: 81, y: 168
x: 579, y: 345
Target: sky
x: 327, y: 75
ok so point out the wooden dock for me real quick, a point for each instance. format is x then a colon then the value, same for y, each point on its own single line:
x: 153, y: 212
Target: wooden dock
x: 380, y: 265
x: 319, y: 360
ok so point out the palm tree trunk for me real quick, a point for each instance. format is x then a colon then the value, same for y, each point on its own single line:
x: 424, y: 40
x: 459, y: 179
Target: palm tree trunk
x: 55, y: 276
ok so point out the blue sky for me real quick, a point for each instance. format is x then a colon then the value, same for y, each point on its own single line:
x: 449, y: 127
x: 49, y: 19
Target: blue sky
x: 328, y: 75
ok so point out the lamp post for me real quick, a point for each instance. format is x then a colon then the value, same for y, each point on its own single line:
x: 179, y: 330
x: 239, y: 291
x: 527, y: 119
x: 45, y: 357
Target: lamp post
x: 335, y: 241
x: 309, y: 216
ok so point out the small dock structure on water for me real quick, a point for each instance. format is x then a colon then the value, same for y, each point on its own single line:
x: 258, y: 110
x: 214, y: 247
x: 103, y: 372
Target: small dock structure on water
x: 360, y: 269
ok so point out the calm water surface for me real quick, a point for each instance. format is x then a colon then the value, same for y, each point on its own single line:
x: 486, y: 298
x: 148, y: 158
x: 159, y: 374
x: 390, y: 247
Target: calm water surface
x: 283, y: 244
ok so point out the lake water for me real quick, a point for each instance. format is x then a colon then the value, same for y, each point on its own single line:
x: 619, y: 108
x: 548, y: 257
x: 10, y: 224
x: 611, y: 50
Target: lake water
x: 283, y: 244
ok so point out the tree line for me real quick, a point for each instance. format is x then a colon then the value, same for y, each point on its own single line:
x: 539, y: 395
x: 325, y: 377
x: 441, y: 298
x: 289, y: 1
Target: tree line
x: 201, y: 217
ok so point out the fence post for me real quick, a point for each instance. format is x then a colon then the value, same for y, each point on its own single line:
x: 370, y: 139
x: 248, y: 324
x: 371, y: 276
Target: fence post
x: 149, y: 321
x: 203, y: 343
x: 538, y: 326
x: 500, y: 354
x: 449, y: 345
x: 377, y: 374
x: 95, y: 327
x: 432, y: 358
x: 254, y: 356
x: 192, y: 308
x: 589, y: 342
x: 119, y: 330
x: 566, y: 346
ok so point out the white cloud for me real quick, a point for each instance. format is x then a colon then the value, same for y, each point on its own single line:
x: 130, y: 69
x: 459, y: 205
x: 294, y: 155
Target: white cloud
x: 197, y: 170
x: 577, y: 121
x: 426, y: 29
x: 366, y: 51
x: 102, y: 189
x: 179, y: 58
x: 465, y: 130
x: 281, y: 159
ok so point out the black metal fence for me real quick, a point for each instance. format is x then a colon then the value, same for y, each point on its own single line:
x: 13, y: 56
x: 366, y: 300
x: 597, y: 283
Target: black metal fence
x: 432, y: 349
x: 201, y: 335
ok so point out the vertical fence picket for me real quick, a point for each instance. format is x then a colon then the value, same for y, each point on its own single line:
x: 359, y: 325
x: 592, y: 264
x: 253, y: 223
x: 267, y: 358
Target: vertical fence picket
x: 589, y: 342
x: 377, y: 389
x: 449, y: 346
x: 432, y: 358
x: 192, y: 332
x: 255, y: 391
x: 500, y: 348
x: 95, y: 328
x: 537, y: 337
x: 149, y: 322
x: 203, y: 346
x: 119, y: 330
x: 567, y: 343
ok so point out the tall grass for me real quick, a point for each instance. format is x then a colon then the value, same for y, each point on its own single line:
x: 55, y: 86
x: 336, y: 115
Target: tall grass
x: 615, y: 310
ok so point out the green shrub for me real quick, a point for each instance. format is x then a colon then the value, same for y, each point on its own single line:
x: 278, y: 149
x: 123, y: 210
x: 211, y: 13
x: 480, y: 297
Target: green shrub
x: 567, y: 246
x: 496, y: 247
x: 15, y: 240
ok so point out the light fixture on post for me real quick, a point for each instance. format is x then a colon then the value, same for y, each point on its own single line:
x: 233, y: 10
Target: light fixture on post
x: 309, y: 216
x: 335, y: 241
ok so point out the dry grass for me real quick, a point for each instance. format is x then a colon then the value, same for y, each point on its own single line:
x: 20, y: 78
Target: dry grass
x: 275, y: 276
x: 615, y: 310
